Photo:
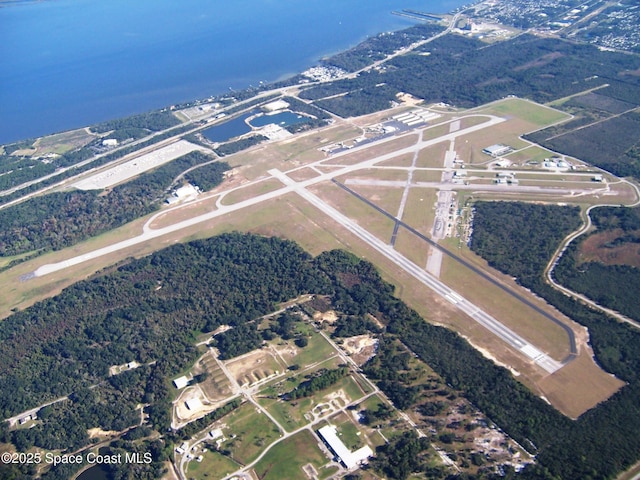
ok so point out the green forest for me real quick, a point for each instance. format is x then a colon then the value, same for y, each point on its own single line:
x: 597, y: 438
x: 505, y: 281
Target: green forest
x: 59, y: 220
x: 613, y: 286
x: 467, y: 72
x: 62, y: 345
x: 601, y: 442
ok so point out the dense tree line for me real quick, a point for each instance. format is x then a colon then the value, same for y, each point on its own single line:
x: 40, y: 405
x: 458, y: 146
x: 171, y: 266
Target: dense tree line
x: 18, y: 170
x: 352, y: 325
x: 593, y: 144
x: 403, y: 456
x: 208, y: 176
x: 500, y: 235
x: 378, y: 47
x: 320, y: 380
x: 61, y: 219
x: 153, y: 121
x: 238, y: 145
x: 238, y: 340
x: 466, y: 73
x: 613, y: 286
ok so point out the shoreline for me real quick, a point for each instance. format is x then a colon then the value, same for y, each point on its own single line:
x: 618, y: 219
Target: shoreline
x: 164, y: 96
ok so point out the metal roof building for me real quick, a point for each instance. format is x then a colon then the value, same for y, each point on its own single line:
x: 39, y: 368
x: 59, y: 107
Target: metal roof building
x: 347, y: 457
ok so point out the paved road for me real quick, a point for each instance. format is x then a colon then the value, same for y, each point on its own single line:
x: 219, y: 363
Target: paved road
x: 570, y: 238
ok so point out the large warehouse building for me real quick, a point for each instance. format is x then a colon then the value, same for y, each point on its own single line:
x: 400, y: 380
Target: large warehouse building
x: 350, y: 459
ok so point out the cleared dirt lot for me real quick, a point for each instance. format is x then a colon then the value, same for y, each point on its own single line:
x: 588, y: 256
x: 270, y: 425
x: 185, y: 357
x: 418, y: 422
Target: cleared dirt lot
x: 137, y: 166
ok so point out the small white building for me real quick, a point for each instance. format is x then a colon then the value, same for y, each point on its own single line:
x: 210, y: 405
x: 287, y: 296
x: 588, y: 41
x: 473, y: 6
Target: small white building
x: 110, y: 142
x: 181, y: 382
x: 350, y: 459
x: 193, y: 404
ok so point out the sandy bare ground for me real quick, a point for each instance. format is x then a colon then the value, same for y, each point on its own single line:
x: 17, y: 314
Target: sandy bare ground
x: 360, y: 348
x: 138, y: 165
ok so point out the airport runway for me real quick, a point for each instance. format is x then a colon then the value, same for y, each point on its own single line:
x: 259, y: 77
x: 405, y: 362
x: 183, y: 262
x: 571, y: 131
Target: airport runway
x: 486, y: 320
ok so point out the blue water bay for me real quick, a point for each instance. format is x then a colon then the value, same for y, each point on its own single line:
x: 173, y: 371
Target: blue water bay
x: 70, y: 63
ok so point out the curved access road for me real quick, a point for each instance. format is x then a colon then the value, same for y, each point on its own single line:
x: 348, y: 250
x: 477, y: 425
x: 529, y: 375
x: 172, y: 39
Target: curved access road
x: 548, y: 273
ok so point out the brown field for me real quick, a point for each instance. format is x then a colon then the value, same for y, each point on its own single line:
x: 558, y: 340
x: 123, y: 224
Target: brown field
x: 360, y: 348
x: 419, y: 212
x: 254, y: 367
x: 412, y: 247
x: 288, y: 154
x: 427, y: 176
x: 387, y: 198
x: 252, y: 190
x: 303, y: 174
x: 579, y: 386
x: 376, y: 174
x: 432, y: 157
x: 216, y: 386
x: 594, y: 249
x: 366, y: 216
x: 400, y: 161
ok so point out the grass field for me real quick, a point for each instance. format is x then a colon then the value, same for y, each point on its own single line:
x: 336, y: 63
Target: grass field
x: 286, y: 459
x: 317, y: 350
x: 400, y: 161
x: 250, y: 191
x: 253, y: 432
x: 432, y: 157
x: 214, y: 466
x: 537, y: 115
x: 63, y: 142
x: 427, y: 176
x: 365, y: 215
x: 419, y: 212
x: 347, y: 431
x: 387, y: 198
